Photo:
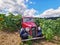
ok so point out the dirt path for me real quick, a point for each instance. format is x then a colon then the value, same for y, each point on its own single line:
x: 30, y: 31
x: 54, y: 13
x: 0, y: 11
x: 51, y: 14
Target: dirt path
x: 9, y: 38
x: 14, y: 39
x: 44, y: 42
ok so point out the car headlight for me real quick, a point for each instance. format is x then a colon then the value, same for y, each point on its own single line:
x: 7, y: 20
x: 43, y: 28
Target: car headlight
x: 39, y: 28
x: 27, y: 29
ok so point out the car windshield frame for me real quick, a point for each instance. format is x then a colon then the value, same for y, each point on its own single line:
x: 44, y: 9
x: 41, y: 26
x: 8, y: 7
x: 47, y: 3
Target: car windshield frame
x: 28, y: 19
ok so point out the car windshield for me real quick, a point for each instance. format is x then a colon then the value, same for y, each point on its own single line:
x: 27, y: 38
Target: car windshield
x: 28, y: 20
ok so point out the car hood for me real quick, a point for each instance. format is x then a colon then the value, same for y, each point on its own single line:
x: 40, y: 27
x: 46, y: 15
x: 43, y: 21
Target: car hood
x: 30, y: 24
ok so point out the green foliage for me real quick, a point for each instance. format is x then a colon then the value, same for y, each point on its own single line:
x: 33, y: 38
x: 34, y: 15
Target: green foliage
x: 29, y: 42
x: 2, y: 16
x: 10, y: 22
x: 37, y: 21
x: 50, y: 27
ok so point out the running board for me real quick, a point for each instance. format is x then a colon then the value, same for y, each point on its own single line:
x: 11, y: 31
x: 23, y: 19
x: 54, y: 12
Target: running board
x: 33, y: 38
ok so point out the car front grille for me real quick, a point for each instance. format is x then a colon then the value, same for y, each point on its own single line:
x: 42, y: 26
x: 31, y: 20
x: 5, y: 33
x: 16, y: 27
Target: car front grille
x: 33, y: 31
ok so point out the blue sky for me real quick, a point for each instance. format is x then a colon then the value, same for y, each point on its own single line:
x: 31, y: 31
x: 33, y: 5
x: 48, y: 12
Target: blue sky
x: 42, y: 5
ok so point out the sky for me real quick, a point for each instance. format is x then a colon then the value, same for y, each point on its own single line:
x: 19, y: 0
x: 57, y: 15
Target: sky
x: 42, y: 5
x: 41, y: 8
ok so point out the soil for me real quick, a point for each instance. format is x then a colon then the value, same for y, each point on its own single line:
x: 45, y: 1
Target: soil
x: 7, y: 38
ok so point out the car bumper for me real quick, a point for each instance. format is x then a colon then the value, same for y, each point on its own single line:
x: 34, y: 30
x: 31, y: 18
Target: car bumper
x: 35, y: 38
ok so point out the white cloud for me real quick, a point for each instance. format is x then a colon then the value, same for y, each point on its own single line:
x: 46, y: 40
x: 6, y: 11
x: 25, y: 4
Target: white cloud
x: 27, y: 0
x: 30, y: 12
x: 15, y: 6
x: 51, y: 13
x: 31, y: 2
x: 12, y: 5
